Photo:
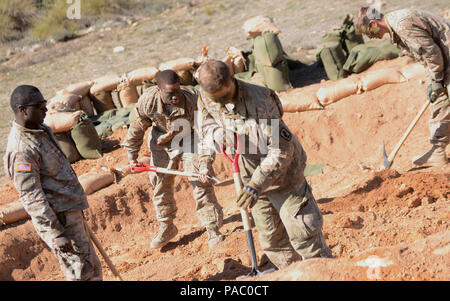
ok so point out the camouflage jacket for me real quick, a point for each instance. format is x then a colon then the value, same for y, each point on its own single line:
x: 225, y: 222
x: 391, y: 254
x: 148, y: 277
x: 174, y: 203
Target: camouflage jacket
x: 425, y: 37
x: 277, y: 156
x: 167, y: 122
x: 42, y: 175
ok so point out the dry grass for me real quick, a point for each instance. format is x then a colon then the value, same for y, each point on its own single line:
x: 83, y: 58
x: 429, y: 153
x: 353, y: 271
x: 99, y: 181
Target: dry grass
x: 178, y: 32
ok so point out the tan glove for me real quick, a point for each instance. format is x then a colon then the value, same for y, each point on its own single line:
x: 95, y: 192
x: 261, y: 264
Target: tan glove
x: 248, y: 196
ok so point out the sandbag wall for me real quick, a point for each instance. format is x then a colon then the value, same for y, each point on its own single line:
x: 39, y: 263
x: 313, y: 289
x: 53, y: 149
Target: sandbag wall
x: 298, y: 100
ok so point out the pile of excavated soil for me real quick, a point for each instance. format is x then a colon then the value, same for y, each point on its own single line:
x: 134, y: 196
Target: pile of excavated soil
x: 389, y: 225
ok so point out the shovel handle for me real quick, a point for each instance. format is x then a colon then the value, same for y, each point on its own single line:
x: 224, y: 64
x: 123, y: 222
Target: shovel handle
x: 408, y: 131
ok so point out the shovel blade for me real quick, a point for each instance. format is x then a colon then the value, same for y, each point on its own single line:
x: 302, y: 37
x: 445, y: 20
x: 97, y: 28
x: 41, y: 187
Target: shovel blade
x: 386, y: 162
x: 256, y: 273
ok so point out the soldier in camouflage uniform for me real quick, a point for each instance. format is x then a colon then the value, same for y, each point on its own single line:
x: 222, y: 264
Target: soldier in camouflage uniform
x: 427, y: 39
x: 48, y: 187
x: 161, y: 108
x: 283, y: 207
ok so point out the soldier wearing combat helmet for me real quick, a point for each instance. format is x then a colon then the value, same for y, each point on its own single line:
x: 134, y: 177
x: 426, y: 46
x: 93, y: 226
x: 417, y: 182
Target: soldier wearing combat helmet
x: 426, y: 38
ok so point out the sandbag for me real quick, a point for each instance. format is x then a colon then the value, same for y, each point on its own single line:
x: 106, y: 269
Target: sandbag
x: 138, y: 76
x: 413, y: 70
x: 12, y: 212
x: 178, y: 64
x: 378, y: 78
x: 105, y: 83
x: 95, y: 180
x: 64, y: 103
x: 276, y: 78
x: 298, y: 101
x: 363, y: 56
x: 102, y: 101
x: 61, y: 122
x: 86, y: 138
x: 81, y: 89
x: 260, y: 25
x: 267, y: 50
x: 86, y: 106
x: 128, y: 93
x: 68, y: 147
x: 335, y: 91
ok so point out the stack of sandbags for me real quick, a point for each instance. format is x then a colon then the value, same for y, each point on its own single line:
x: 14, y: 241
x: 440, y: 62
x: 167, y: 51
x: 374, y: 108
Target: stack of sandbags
x: 82, y: 90
x: 100, y: 92
x: 299, y: 100
x: 335, y: 91
x: 12, y: 212
x: 62, y: 122
x: 96, y: 180
x: 378, y: 78
x: 260, y: 25
x: 128, y: 93
x: 235, y: 60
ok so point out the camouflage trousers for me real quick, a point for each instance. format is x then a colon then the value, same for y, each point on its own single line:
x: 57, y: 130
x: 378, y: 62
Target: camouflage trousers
x: 208, y: 208
x: 290, y: 227
x: 439, y: 123
x: 82, y: 264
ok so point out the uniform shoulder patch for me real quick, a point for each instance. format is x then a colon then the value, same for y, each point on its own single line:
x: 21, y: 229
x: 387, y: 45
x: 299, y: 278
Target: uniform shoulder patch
x: 285, y: 134
x: 23, y: 167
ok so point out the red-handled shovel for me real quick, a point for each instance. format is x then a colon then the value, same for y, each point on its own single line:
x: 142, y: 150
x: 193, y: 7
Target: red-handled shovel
x: 244, y: 214
x: 151, y: 168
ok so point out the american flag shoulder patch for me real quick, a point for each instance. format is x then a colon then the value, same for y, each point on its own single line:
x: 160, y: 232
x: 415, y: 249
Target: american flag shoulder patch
x: 23, y: 167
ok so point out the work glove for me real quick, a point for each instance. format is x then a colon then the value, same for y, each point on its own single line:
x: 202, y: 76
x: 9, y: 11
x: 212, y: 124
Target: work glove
x: 435, y: 89
x: 248, y: 196
x: 63, y: 244
x: 203, y: 177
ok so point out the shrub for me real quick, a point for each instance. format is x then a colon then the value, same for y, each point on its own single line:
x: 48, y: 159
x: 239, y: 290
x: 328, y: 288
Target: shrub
x: 15, y: 18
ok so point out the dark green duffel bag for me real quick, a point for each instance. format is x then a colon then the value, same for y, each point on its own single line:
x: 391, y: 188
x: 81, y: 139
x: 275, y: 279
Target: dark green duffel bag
x: 86, y: 139
x: 267, y: 50
x: 363, y: 56
x: 276, y: 78
x: 68, y: 147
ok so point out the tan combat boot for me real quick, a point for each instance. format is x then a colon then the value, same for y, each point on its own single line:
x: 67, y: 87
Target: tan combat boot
x: 167, y: 231
x: 434, y: 157
x: 214, y: 237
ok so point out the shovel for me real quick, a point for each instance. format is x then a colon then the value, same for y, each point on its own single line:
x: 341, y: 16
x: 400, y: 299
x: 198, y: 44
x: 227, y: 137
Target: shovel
x: 151, y: 168
x: 244, y: 214
x: 389, y: 160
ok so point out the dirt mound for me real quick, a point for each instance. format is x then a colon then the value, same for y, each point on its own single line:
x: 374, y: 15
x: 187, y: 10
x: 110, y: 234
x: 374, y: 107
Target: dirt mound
x: 367, y: 212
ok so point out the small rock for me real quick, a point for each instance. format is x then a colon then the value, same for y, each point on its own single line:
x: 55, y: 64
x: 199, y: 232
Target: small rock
x: 36, y: 47
x: 414, y: 202
x: 359, y: 208
x: 119, y: 49
x: 393, y: 174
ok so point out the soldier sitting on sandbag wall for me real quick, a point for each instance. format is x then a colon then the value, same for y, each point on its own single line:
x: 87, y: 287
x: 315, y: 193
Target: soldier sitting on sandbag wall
x: 160, y: 108
x: 427, y: 39
x: 48, y: 187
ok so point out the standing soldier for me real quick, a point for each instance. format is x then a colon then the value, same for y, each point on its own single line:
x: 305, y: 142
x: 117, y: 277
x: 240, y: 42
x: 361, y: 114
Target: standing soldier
x: 160, y: 108
x: 48, y: 187
x: 284, y: 210
x: 426, y: 38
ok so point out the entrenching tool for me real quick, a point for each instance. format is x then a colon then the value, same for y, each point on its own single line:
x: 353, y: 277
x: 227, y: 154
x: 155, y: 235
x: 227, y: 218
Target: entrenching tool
x: 102, y: 252
x: 389, y: 160
x: 151, y: 168
x: 244, y: 214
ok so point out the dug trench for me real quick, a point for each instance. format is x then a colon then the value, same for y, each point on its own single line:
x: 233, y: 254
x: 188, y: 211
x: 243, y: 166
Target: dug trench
x: 387, y: 225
